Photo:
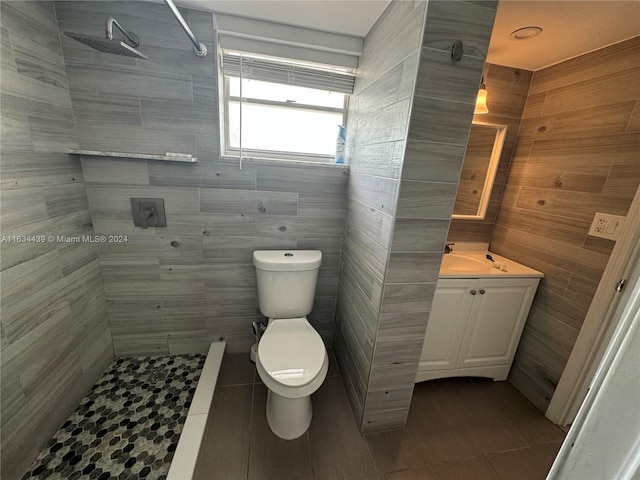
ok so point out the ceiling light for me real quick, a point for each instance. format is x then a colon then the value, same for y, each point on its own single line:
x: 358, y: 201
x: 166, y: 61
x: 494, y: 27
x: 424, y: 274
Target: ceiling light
x: 481, y: 101
x: 525, y: 33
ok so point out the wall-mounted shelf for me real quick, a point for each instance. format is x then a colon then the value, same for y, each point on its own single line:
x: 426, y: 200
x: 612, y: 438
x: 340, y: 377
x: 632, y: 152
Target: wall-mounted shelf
x: 139, y: 156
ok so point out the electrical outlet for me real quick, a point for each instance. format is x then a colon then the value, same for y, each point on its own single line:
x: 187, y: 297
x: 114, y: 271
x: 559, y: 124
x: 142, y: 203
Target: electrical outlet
x: 600, y: 225
x: 606, y: 226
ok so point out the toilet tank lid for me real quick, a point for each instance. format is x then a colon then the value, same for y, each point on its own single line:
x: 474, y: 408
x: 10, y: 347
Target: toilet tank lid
x: 287, y: 260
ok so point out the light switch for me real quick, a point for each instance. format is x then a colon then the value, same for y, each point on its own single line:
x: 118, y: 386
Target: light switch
x: 607, y: 226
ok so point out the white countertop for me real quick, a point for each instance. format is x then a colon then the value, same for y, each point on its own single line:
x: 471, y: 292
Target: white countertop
x: 500, y: 267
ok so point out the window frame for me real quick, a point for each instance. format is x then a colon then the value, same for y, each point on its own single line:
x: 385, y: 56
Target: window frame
x: 234, y: 152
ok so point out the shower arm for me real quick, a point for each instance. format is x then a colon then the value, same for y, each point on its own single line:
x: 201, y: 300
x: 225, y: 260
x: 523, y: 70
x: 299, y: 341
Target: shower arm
x: 132, y: 38
x: 198, y: 48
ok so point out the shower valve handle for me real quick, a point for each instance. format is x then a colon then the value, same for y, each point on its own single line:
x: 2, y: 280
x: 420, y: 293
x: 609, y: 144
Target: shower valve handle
x: 145, y: 215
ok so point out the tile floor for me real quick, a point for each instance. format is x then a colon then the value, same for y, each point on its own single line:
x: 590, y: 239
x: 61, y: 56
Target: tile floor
x: 458, y: 429
x: 127, y: 427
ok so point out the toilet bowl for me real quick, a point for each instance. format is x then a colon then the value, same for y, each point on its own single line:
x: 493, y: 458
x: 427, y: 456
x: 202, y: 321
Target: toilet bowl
x: 291, y: 360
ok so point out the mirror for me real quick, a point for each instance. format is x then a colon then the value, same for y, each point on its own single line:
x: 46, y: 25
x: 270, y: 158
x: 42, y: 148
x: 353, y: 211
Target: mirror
x: 479, y: 170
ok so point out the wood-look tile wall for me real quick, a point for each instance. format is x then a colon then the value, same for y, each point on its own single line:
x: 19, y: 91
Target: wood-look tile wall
x: 406, y: 154
x: 176, y: 289
x: 576, y: 154
x: 55, y: 333
x: 441, y: 117
x: 507, y: 90
x: 378, y: 120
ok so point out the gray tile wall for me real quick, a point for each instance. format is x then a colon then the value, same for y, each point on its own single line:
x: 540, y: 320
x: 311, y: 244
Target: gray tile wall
x: 507, y: 90
x: 171, y: 299
x: 441, y: 117
x: 55, y: 334
x: 406, y: 149
x: 576, y: 154
x: 378, y: 121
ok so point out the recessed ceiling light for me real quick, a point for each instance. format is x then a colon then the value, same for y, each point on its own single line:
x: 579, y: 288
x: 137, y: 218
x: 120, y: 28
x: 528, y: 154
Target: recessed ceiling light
x: 525, y: 33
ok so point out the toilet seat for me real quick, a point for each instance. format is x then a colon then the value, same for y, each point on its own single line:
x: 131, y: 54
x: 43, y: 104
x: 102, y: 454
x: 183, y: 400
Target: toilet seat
x: 291, y: 352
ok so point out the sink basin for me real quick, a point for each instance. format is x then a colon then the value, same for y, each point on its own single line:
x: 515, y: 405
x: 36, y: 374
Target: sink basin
x: 460, y: 263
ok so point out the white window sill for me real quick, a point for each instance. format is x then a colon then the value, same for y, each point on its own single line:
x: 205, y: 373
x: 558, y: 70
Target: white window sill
x: 254, y: 160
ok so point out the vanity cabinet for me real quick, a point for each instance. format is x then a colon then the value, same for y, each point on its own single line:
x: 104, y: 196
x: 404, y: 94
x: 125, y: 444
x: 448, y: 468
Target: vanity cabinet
x: 475, y: 326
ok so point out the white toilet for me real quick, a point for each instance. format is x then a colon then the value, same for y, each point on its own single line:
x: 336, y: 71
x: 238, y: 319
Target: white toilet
x: 292, y: 360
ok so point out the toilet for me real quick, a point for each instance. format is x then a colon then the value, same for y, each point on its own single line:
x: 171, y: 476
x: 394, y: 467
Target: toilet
x: 292, y: 360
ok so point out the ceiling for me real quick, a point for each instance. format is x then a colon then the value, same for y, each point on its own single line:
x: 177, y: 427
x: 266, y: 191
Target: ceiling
x: 570, y: 27
x: 349, y: 17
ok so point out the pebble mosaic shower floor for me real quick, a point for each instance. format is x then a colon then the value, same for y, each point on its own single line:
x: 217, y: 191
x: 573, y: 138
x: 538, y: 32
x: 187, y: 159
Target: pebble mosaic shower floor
x: 128, y: 426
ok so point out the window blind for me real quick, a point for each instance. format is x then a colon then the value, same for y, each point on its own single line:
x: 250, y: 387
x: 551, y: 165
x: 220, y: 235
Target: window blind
x: 287, y: 73
x: 242, y: 34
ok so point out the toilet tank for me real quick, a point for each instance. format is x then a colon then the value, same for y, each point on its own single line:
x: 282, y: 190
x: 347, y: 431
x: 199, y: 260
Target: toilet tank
x: 286, y: 281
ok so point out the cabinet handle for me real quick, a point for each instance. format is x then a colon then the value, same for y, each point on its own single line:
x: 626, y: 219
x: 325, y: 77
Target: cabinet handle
x: 482, y: 291
x: 473, y: 292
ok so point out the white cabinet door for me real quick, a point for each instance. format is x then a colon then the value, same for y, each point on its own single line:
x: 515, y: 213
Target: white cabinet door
x: 496, y: 321
x: 445, y: 329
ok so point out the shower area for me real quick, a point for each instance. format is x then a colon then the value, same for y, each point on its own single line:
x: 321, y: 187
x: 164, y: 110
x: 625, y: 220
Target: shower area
x: 60, y: 280
x: 128, y: 426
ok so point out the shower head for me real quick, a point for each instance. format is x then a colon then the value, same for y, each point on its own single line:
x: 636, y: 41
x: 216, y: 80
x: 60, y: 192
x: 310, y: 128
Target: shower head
x: 117, y: 47
x: 108, y: 44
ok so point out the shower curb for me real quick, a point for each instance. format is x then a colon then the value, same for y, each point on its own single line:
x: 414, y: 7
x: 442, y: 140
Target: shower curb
x: 184, y: 461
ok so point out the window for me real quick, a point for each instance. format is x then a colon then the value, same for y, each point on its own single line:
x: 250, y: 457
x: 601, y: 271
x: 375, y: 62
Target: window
x: 287, y: 110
